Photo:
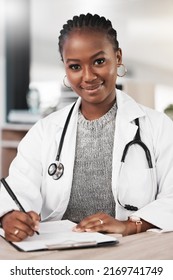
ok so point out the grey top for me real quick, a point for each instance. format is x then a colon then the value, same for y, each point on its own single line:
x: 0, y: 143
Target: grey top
x: 92, y: 177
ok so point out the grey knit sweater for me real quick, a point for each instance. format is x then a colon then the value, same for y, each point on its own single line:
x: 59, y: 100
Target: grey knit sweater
x: 92, y: 178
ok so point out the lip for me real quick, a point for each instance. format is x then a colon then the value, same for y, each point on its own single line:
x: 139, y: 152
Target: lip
x: 92, y: 88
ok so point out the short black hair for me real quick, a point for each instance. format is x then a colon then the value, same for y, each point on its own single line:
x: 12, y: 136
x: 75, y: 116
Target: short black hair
x: 96, y: 22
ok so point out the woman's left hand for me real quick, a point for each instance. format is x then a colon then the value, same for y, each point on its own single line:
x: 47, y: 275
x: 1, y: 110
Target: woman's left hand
x: 101, y: 222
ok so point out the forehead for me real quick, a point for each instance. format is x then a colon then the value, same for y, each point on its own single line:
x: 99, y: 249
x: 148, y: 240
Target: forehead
x: 86, y: 41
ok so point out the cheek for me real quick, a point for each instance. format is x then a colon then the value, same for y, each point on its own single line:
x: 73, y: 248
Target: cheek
x: 111, y: 75
x: 72, y: 77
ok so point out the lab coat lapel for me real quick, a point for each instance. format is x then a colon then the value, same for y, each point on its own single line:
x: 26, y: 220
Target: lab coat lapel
x: 125, y: 130
x: 124, y: 133
x: 67, y: 156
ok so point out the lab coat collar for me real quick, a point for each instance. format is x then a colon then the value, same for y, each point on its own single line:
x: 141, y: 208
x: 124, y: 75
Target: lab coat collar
x: 128, y: 109
x: 59, y: 117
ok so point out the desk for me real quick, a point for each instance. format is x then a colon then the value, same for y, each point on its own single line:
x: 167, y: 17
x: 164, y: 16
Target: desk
x: 142, y: 246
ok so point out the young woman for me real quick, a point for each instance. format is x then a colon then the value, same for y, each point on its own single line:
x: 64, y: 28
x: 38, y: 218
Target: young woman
x: 92, y: 176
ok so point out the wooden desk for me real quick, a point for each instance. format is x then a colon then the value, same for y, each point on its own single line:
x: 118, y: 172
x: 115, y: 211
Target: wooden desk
x: 143, y: 246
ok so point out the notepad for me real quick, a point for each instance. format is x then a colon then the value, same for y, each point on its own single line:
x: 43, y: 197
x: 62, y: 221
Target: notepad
x: 58, y: 235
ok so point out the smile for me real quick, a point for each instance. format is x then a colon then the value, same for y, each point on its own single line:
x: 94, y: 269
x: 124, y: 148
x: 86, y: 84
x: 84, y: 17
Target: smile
x: 93, y: 88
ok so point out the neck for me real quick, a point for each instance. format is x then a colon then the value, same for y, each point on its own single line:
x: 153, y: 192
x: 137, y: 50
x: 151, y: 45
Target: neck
x: 95, y: 111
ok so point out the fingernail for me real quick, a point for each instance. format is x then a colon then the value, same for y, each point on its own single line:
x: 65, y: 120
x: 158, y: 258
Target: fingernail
x: 36, y: 227
x: 88, y: 229
x: 76, y: 229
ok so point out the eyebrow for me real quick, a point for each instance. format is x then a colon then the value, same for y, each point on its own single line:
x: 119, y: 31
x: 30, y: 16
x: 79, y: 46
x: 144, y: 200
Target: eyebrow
x: 78, y: 60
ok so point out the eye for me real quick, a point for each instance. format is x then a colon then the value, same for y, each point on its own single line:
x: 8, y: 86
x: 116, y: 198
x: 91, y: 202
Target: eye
x: 99, y: 61
x: 75, y: 67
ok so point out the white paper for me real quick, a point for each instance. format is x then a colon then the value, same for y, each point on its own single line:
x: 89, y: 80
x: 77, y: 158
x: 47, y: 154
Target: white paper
x: 59, y: 233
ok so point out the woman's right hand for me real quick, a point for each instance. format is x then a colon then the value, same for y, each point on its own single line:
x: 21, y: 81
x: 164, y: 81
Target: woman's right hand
x: 18, y: 225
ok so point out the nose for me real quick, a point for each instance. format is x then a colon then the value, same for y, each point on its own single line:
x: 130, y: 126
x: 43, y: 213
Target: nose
x: 88, y: 74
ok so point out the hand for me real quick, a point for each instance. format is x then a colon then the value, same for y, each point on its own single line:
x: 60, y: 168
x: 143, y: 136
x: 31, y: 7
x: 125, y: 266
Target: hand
x: 102, y: 222
x: 19, y: 225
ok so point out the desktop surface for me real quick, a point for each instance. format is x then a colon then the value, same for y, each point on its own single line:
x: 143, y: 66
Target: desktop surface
x: 142, y: 246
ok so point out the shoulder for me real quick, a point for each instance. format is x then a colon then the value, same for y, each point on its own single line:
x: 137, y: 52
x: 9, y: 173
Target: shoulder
x: 157, y: 124
x: 151, y: 121
x: 126, y: 101
x: 156, y: 118
x: 54, y: 119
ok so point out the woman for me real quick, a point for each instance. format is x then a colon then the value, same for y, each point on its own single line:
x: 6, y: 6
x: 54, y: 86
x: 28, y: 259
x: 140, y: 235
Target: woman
x: 98, y: 190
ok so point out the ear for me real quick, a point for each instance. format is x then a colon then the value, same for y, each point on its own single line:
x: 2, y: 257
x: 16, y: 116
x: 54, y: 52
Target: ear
x: 119, y: 56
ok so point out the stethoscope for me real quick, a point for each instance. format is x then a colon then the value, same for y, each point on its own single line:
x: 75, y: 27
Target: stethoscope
x: 56, y: 169
x: 137, y: 140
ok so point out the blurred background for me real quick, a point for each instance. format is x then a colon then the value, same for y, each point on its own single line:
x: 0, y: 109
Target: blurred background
x: 31, y: 72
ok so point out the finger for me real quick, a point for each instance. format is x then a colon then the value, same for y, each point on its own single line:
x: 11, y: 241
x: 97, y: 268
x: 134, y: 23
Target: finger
x: 89, y: 219
x: 35, y: 218
x: 99, y: 228
x: 16, y: 236
x: 17, y: 221
x: 26, y: 219
x: 97, y: 225
x: 89, y: 222
x: 24, y: 223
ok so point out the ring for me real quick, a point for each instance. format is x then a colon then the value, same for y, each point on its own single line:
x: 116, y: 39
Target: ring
x: 101, y: 221
x: 16, y: 231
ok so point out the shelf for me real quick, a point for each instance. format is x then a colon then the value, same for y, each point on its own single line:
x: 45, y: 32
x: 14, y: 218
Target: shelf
x: 11, y: 135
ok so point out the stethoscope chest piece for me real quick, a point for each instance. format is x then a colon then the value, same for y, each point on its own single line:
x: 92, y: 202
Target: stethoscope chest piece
x: 56, y: 170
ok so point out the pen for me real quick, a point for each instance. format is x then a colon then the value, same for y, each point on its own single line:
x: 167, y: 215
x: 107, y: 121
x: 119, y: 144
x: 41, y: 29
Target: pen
x: 13, y: 196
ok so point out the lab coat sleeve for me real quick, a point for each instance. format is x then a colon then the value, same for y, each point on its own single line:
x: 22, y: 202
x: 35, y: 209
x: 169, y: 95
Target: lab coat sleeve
x: 160, y: 211
x: 25, y: 174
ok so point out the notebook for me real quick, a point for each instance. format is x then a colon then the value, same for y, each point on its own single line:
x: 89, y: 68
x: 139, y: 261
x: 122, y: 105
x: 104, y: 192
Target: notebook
x: 58, y: 235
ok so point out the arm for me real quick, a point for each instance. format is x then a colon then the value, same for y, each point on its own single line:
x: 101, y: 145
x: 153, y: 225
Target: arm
x: 159, y: 211
x: 102, y: 222
x: 25, y: 180
x: 25, y: 175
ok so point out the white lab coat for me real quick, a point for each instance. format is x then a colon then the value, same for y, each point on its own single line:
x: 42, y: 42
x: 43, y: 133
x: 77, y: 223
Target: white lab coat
x: 136, y: 184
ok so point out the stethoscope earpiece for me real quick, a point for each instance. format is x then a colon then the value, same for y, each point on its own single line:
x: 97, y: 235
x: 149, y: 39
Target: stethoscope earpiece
x: 56, y: 170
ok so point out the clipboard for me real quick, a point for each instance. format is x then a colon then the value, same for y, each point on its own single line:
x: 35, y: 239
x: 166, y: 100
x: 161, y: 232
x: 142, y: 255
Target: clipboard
x: 81, y: 245
x: 58, y: 235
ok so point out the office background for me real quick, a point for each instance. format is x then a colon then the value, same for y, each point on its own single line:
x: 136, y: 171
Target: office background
x: 29, y: 55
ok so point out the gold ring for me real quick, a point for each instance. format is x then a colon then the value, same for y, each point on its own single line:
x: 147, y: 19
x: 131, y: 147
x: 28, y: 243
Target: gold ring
x: 101, y: 221
x: 16, y: 231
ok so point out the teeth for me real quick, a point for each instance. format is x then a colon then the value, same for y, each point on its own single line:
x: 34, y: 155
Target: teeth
x: 92, y: 88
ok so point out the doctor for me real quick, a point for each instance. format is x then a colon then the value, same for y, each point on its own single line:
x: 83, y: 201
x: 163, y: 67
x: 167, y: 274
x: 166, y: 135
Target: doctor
x: 89, y: 182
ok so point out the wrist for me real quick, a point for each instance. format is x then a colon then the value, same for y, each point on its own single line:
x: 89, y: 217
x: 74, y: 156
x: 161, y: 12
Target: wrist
x: 2, y: 217
x: 133, y: 226
x: 137, y: 222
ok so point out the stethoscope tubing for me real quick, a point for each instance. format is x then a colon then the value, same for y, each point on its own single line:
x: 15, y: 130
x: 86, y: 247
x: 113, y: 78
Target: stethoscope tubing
x: 56, y: 169
x: 143, y: 146
x: 136, y: 141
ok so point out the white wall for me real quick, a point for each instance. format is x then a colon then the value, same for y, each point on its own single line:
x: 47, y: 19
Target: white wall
x: 144, y: 30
